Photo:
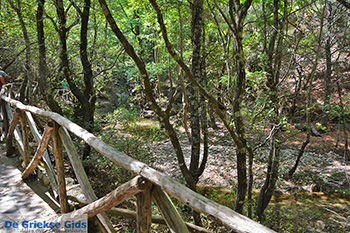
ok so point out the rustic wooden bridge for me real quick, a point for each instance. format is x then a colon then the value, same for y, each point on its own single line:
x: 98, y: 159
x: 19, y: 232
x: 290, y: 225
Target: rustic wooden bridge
x: 148, y: 185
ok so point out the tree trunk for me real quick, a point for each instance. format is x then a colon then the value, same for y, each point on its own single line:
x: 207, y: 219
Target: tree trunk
x: 274, y: 55
x: 193, y: 97
x: 328, y: 75
x: 238, y: 13
x: 300, y: 154
x: 43, y: 70
x: 148, y: 90
x: 183, y: 83
x: 239, y: 90
x: 343, y: 118
x: 28, y: 73
x: 90, y: 95
x: 86, y: 98
x: 217, y: 105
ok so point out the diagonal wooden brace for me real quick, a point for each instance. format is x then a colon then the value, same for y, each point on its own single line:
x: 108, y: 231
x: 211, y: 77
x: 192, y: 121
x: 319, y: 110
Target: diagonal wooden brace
x: 9, y: 145
x: 39, y: 152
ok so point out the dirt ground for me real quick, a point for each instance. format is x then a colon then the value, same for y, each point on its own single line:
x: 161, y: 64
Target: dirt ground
x: 316, y: 199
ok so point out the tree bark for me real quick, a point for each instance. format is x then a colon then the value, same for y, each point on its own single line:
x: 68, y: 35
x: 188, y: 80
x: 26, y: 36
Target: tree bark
x: 193, y: 98
x: 28, y: 72
x: 89, y: 92
x: 43, y: 70
x: 328, y: 75
x: 129, y: 49
x: 241, y: 143
x: 196, y: 102
x: 87, y: 96
x: 238, y: 13
x: 274, y: 55
x: 344, y: 3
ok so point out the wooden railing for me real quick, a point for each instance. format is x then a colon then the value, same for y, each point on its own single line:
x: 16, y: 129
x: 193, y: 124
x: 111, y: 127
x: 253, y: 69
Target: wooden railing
x: 149, y: 184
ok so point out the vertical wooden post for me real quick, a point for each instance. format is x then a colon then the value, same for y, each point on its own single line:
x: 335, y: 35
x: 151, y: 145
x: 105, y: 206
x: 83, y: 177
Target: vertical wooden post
x: 104, y: 222
x: 57, y: 149
x: 24, y: 131
x: 9, y: 145
x: 5, y: 117
x: 144, y: 209
x: 168, y: 210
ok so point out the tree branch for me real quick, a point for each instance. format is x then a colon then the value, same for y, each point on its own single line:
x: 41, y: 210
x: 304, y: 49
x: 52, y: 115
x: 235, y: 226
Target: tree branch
x: 53, y: 22
x: 129, y: 49
x: 217, y: 105
x: 344, y: 3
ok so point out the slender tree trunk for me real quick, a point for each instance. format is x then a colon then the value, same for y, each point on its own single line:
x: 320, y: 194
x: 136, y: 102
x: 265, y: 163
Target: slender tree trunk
x: 28, y: 73
x: 217, y: 105
x: 129, y: 49
x: 193, y: 97
x: 239, y: 91
x: 343, y: 119
x: 328, y: 76
x: 43, y: 70
x: 87, y: 97
x: 238, y: 94
x: 183, y: 83
x: 90, y: 95
x: 63, y: 32
x: 309, y: 98
x: 271, y: 178
x: 274, y: 54
x: 301, y: 150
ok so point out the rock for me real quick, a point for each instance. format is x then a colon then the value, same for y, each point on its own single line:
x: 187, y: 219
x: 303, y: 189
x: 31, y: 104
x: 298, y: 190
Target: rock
x: 320, y: 225
x: 75, y: 191
x: 303, y: 127
x: 69, y: 181
x: 148, y: 114
x: 315, y: 132
x: 315, y: 188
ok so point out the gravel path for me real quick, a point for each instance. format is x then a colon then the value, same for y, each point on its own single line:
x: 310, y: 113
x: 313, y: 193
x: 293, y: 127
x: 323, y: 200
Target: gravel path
x: 329, y: 167
x: 220, y: 169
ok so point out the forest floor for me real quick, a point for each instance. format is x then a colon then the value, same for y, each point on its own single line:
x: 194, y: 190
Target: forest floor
x: 316, y: 199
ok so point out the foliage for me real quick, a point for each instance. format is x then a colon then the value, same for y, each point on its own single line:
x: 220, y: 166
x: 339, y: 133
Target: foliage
x: 122, y: 115
x: 132, y: 146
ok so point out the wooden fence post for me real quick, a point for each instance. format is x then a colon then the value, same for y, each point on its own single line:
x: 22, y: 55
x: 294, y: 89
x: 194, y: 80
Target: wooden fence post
x: 39, y: 152
x: 24, y: 131
x: 46, y: 158
x: 125, y: 213
x: 5, y: 119
x: 144, y: 209
x: 57, y: 149
x: 82, y: 177
x: 9, y: 145
x: 117, y: 196
x: 168, y: 210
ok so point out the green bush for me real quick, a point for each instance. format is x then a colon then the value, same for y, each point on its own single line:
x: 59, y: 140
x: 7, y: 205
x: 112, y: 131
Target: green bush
x: 121, y: 115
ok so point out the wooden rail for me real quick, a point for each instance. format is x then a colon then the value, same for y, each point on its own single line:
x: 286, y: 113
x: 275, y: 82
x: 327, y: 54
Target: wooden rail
x: 148, y: 185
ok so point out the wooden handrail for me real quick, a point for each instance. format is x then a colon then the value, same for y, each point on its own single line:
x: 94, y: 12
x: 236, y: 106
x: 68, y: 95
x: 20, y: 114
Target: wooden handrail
x: 227, y: 216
